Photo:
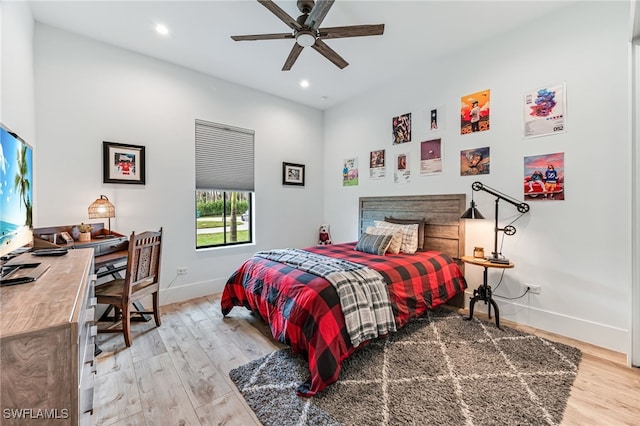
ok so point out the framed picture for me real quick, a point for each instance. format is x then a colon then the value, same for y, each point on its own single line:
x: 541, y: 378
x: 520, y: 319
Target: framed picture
x: 123, y: 163
x: 292, y: 174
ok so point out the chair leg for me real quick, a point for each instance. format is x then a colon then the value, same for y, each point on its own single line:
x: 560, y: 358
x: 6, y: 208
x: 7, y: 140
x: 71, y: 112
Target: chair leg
x: 126, y: 325
x: 156, y: 308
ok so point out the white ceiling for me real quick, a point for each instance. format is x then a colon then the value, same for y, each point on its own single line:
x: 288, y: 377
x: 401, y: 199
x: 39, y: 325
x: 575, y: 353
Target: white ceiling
x: 416, y: 33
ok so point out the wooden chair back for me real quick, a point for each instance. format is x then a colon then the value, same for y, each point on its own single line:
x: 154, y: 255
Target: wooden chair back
x: 143, y: 266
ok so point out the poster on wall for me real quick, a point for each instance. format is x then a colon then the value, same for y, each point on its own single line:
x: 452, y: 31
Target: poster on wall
x: 545, y: 111
x: 436, y: 119
x: 431, y: 157
x: 350, y: 172
x: 544, y: 177
x: 377, y: 169
x: 475, y: 112
x: 402, y: 170
x: 475, y: 161
x: 401, y: 129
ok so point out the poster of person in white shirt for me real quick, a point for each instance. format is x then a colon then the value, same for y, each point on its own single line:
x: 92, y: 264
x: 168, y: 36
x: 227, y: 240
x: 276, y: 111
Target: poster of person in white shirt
x: 475, y: 112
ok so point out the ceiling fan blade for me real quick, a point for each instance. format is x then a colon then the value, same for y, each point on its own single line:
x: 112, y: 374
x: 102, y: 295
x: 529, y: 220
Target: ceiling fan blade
x: 318, y: 13
x: 278, y: 36
x: 284, y: 17
x: 330, y: 54
x: 351, y: 31
x: 293, y: 55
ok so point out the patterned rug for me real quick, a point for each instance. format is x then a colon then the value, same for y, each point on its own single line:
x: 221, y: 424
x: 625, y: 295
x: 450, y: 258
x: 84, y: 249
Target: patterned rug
x: 438, y: 370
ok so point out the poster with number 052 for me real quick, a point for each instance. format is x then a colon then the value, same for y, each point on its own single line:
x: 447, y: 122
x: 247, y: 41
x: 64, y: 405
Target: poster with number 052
x: 545, y: 111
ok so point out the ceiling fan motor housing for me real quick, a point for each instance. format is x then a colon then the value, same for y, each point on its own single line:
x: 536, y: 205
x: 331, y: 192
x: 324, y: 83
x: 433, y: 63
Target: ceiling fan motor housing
x: 305, y: 6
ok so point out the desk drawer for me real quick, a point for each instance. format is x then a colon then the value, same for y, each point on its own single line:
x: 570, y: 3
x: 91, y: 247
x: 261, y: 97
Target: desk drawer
x: 110, y: 246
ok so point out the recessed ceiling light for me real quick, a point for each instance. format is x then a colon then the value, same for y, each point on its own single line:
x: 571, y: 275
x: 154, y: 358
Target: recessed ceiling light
x: 162, y: 29
x: 304, y: 84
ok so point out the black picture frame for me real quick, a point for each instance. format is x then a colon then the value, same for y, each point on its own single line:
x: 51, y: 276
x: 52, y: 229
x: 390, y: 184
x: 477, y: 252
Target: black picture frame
x: 292, y: 174
x: 123, y: 163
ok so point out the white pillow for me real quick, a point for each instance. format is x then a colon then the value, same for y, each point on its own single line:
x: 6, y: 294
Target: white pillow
x: 396, y: 240
x: 409, y: 235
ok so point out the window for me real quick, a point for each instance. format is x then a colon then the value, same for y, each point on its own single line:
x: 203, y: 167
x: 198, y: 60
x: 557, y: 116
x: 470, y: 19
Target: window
x: 224, y: 185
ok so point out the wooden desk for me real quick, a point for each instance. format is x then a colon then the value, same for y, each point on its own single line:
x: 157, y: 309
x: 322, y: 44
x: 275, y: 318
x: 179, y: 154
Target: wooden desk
x: 110, y: 254
x: 483, y: 292
x: 47, y: 343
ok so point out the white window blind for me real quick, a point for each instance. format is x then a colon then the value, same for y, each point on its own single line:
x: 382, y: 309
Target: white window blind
x: 224, y: 157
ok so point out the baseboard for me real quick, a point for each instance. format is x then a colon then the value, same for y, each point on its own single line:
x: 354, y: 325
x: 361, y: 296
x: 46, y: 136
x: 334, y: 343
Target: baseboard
x: 600, y: 335
x: 180, y: 293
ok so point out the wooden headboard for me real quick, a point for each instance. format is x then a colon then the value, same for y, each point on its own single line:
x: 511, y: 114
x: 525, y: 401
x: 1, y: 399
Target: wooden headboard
x: 444, y: 230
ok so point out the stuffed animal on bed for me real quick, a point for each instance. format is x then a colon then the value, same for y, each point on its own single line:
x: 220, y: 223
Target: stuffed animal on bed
x: 324, y: 237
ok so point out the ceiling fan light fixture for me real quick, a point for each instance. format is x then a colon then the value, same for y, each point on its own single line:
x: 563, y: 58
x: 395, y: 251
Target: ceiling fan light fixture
x: 305, y: 39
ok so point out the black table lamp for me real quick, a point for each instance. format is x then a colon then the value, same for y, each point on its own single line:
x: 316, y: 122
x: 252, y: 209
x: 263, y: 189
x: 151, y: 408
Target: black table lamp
x: 473, y: 213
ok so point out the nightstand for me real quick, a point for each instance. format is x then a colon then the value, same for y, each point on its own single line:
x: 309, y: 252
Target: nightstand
x: 483, y: 292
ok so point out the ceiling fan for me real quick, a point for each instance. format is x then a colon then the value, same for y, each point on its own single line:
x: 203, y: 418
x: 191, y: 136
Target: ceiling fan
x: 307, y: 31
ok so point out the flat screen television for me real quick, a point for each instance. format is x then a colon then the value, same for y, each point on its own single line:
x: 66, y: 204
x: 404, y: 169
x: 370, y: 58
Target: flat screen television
x: 16, y: 192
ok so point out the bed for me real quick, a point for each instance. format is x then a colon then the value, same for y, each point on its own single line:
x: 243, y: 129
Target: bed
x: 303, y: 309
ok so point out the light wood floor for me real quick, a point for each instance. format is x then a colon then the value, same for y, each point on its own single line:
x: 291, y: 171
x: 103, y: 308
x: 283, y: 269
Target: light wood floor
x: 178, y: 374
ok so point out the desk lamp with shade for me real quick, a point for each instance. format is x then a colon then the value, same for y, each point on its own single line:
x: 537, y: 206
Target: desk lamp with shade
x: 100, y: 209
x: 473, y: 213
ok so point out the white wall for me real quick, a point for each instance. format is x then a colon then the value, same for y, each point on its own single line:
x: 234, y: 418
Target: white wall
x: 17, y: 109
x: 577, y: 250
x: 88, y: 92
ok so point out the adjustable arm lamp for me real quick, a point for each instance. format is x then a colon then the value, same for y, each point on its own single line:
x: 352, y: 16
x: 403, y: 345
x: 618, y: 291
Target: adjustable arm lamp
x: 473, y: 213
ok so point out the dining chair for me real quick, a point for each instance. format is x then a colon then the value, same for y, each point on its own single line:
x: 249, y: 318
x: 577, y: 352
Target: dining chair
x: 142, y: 278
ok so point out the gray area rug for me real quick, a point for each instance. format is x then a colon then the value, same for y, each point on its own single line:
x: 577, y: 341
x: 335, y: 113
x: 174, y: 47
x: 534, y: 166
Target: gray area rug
x: 438, y: 370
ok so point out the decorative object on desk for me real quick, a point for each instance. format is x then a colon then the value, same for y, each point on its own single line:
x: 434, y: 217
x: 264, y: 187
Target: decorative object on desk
x: 84, y: 232
x: 102, y: 208
x: 292, y: 174
x: 454, y: 373
x: 75, y: 233
x: 478, y: 252
x: 66, y: 238
x: 123, y: 163
x: 52, y: 238
x: 473, y: 213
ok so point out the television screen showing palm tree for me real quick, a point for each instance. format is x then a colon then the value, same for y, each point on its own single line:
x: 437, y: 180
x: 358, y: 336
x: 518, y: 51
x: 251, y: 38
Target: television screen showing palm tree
x: 16, y: 191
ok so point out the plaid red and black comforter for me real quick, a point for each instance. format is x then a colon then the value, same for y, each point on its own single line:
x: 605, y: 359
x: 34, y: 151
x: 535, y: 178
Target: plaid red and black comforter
x: 303, y: 310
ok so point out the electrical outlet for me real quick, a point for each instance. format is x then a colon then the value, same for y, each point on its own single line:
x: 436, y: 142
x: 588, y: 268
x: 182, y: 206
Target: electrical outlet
x: 533, y: 289
x: 182, y: 270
